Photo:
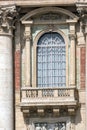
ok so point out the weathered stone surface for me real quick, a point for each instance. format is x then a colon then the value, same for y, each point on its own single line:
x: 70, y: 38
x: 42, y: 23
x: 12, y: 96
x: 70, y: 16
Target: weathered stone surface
x: 6, y: 83
x: 62, y: 107
x: 38, y: 3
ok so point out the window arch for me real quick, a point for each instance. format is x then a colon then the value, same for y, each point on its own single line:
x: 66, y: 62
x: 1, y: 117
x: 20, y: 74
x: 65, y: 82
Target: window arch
x: 51, y: 60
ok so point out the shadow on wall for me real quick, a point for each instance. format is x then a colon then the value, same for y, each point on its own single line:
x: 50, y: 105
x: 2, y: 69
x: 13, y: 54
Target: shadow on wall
x: 78, y: 118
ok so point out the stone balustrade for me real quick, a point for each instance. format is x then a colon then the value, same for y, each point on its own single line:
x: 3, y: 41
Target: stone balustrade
x: 48, y: 96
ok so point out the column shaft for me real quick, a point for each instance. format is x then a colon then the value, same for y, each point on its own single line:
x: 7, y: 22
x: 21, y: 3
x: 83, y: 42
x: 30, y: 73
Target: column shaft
x: 6, y: 83
x: 86, y: 72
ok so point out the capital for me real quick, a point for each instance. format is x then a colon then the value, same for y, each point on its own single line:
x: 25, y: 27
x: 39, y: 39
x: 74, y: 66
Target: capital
x: 27, y: 33
x: 81, y: 7
x: 72, y: 36
x: 27, y: 36
x: 7, y: 15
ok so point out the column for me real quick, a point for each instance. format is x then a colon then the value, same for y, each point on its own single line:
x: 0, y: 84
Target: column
x: 86, y: 69
x: 6, y: 69
x: 27, y: 36
x: 72, y: 55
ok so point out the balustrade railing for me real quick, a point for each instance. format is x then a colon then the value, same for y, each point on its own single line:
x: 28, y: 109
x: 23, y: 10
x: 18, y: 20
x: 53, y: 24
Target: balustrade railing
x: 34, y: 95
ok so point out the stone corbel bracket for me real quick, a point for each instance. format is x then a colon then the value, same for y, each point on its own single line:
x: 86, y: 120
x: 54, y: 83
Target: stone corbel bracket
x: 56, y: 112
x: 40, y: 112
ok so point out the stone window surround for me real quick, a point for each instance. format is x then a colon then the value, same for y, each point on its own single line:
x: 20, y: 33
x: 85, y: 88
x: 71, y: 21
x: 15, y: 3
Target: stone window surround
x: 70, y: 75
x: 34, y: 76
x: 32, y: 81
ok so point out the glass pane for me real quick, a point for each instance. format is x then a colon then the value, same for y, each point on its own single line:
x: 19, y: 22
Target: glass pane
x: 51, y: 60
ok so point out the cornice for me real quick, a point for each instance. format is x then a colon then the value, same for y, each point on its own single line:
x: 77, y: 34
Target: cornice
x: 40, y: 3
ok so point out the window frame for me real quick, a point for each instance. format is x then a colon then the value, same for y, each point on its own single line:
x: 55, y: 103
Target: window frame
x: 34, y: 56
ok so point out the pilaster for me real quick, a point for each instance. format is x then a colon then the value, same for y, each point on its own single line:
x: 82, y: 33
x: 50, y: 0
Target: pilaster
x: 27, y: 36
x: 72, y: 54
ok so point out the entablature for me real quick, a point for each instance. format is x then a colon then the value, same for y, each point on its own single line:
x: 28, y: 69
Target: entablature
x: 34, y: 3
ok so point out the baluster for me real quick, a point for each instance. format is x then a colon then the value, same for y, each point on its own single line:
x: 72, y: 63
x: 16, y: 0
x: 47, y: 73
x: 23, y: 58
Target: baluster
x: 34, y: 93
x: 55, y: 93
x: 72, y: 93
x: 39, y: 93
x: 28, y: 93
x: 23, y: 94
x: 68, y: 92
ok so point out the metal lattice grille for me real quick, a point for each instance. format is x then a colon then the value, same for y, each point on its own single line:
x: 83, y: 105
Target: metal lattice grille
x: 51, y: 60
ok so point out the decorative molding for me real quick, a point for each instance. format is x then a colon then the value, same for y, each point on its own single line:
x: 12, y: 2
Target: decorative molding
x: 46, y: 126
x: 44, y: 112
x: 48, y: 10
x: 27, y: 33
x: 52, y: 28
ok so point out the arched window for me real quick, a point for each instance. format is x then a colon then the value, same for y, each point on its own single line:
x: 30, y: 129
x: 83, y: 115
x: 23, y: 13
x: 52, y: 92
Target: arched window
x: 51, y: 60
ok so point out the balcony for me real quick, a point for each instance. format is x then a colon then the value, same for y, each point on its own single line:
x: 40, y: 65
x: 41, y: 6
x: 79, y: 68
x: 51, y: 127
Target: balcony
x: 55, y: 98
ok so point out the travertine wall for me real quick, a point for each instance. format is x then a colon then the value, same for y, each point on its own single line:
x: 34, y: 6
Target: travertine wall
x: 79, y: 118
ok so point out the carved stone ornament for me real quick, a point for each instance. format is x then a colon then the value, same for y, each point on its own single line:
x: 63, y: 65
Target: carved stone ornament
x: 50, y: 126
x: 82, y: 11
x: 7, y: 14
x: 27, y: 36
x: 72, y: 36
x: 51, y: 27
x: 81, y: 6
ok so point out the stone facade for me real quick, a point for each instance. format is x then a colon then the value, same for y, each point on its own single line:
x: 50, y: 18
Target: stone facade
x: 24, y: 105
